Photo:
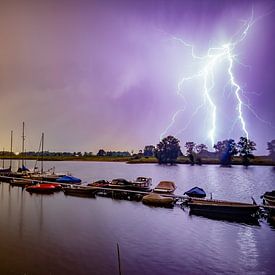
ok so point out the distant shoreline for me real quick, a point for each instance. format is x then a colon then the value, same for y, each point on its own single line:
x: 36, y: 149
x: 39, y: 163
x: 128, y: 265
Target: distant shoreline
x: 258, y: 160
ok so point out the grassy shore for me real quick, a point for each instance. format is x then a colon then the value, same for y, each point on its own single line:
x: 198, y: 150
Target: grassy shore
x: 258, y: 160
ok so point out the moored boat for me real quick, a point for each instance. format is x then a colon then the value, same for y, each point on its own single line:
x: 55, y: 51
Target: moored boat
x: 167, y: 187
x: 196, y: 192
x: 79, y: 190
x: 42, y: 188
x: 99, y: 183
x: 158, y: 200
x: 120, y: 183
x: 5, y: 171
x: 269, y: 201
x: 269, y: 197
x: 21, y: 182
x: 142, y: 184
x: 69, y: 180
x: 222, y: 207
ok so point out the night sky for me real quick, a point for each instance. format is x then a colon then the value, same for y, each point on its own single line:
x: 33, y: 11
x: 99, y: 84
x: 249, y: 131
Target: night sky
x: 105, y: 74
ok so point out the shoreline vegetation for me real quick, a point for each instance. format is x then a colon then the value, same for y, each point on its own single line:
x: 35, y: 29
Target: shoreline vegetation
x: 258, y: 160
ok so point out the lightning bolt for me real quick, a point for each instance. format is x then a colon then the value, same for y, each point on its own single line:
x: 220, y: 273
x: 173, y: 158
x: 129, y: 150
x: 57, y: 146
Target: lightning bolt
x: 214, y: 56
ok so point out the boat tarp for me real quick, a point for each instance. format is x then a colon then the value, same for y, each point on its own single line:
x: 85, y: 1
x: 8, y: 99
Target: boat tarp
x: 196, y: 192
x: 68, y: 179
x: 22, y: 169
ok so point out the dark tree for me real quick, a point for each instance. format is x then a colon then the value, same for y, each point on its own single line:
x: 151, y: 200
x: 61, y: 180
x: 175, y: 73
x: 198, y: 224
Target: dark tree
x: 200, y: 147
x: 190, y: 146
x: 101, y: 153
x: 226, y: 149
x: 246, y: 146
x: 167, y: 150
x: 149, y: 150
x: 271, y: 149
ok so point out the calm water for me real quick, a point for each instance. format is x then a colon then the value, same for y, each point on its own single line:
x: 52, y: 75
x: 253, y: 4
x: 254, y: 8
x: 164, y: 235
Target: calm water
x: 58, y: 234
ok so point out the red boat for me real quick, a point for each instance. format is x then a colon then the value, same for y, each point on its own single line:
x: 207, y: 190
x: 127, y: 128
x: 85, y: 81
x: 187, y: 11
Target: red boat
x: 43, y: 188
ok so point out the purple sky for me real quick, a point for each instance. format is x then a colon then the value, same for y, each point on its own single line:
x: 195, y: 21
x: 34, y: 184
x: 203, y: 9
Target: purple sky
x: 104, y: 74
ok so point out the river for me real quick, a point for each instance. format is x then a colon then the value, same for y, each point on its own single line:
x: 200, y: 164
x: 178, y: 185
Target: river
x: 58, y: 234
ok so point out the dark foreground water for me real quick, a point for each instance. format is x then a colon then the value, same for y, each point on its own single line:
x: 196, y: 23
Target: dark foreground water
x: 58, y: 234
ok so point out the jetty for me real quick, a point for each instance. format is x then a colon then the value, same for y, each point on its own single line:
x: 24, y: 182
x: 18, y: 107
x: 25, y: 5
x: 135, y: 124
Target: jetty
x: 117, y: 193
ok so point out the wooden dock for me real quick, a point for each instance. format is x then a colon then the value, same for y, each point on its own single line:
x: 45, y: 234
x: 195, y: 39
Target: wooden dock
x: 103, y: 191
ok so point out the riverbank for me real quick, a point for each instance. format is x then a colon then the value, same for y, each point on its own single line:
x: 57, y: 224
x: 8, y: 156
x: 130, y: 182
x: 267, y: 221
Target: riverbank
x: 258, y: 160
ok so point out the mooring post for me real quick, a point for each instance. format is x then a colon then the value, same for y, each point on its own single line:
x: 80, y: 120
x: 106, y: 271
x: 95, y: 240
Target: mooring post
x: 118, y: 257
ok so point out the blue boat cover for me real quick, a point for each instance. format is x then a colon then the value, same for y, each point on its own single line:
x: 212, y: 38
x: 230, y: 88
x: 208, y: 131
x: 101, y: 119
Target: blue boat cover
x: 23, y: 168
x: 196, y: 192
x: 68, y: 179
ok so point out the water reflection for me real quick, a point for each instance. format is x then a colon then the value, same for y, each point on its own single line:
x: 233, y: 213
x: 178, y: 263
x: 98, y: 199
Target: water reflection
x: 227, y: 218
x: 248, y: 248
x: 71, y: 235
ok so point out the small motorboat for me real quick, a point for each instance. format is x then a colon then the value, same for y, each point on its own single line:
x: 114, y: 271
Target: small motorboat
x: 69, y: 180
x: 142, y: 184
x: 167, y: 187
x: 79, y: 190
x: 42, y: 188
x: 196, y: 192
x: 158, y: 200
x: 21, y: 182
x: 99, y: 183
x: 121, y: 183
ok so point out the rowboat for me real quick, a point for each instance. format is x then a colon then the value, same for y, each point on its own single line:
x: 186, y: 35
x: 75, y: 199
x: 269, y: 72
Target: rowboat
x: 79, y: 190
x: 167, y: 187
x: 223, y: 207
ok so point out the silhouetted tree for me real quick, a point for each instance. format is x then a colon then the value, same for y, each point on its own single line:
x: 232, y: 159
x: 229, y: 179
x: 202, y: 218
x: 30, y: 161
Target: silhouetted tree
x: 199, y: 149
x: 149, y: 150
x: 271, y: 149
x: 245, y: 148
x: 190, y: 146
x: 167, y: 150
x: 101, y: 153
x: 226, y: 149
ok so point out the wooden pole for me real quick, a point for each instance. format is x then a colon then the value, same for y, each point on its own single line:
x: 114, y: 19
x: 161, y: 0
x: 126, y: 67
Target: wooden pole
x: 118, y: 257
x: 3, y: 164
x: 42, y: 152
x: 23, y: 143
x: 11, y: 149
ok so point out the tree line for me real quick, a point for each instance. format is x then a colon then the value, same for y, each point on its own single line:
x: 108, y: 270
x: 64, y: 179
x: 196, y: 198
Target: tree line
x: 168, y: 150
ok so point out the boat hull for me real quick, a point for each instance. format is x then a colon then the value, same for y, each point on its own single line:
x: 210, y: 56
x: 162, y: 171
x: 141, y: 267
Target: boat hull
x: 79, y: 192
x: 158, y: 200
x: 225, y: 208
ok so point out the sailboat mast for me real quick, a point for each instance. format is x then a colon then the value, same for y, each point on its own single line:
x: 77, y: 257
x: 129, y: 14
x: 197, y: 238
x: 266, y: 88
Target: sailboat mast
x: 42, y: 153
x: 23, y: 143
x: 3, y: 164
x: 11, y: 149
